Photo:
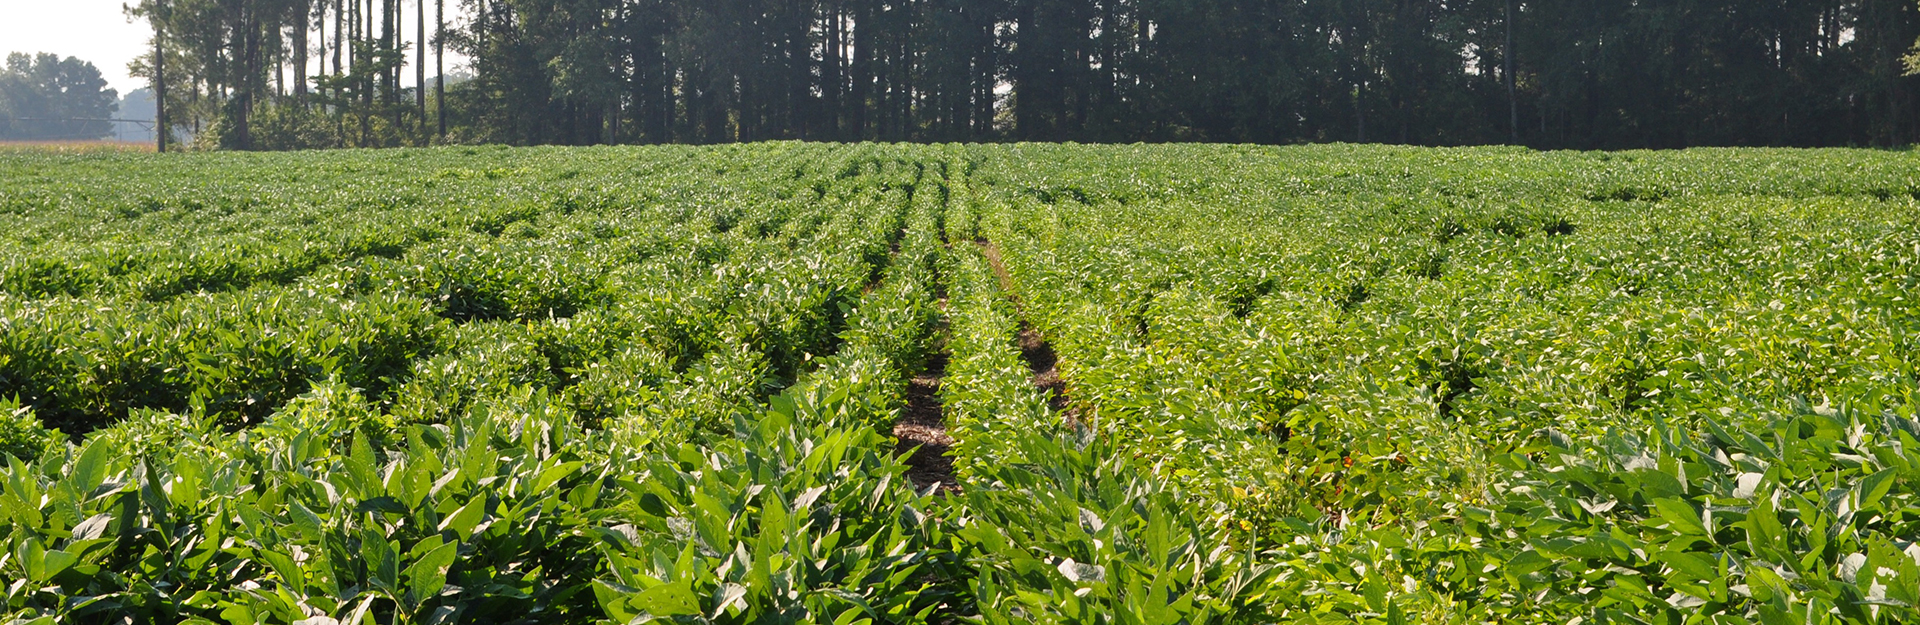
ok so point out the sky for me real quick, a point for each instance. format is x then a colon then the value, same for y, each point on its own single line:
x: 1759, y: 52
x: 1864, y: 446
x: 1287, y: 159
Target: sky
x: 94, y: 30
x: 97, y: 31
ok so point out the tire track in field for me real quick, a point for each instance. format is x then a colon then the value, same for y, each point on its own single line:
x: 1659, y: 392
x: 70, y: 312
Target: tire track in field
x: 921, y: 430
x: 920, y: 433
x: 1034, y: 348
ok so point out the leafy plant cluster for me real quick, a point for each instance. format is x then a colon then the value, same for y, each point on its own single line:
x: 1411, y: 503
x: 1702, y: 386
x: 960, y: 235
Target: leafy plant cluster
x: 591, y: 390
x: 711, y: 293
x: 1485, y: 386
x: 1318, y: 384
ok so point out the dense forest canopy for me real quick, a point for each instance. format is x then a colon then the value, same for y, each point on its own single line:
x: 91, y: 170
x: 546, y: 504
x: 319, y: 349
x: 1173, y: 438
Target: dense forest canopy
x: 266, y: 74
x: 47, y: 98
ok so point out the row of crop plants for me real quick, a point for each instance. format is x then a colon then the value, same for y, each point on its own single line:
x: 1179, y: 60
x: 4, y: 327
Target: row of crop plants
x: 1534, y: 404
x: 599, y: 299
x: 578, y: 431
x: 157, y: 232
x: 1326, y: 384
x: 794, y: 509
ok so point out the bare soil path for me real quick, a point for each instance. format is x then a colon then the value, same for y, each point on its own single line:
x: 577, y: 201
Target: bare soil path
x: 922, y: 429
x: 1039, y: 354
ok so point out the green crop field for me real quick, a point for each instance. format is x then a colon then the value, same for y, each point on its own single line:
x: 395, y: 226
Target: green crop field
x: 1146, y: 385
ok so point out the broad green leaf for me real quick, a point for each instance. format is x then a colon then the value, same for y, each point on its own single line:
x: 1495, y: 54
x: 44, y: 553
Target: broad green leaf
x: 669, y: 599
x: 462, y: 521
x: 428, y: 574
x: 1680, y: 516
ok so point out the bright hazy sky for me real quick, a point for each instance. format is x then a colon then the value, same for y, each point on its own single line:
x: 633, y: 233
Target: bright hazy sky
x: 97, y: 31
x: 94, y: 30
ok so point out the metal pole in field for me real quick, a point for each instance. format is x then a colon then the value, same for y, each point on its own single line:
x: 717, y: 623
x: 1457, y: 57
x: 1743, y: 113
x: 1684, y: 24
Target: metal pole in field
x: 159, y: 81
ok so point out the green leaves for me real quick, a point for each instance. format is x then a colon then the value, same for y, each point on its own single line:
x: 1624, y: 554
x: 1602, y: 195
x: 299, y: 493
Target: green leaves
x: 41, y: 564
x: 664, y: 601
x: 1680, y: 517
x: 1733, y: 540
x: 1077, y: 533
x: 427, y: 576
x: 1505, y: 416
x: 464, y: 520
x: 793, y: 517
x: 1220, y: 384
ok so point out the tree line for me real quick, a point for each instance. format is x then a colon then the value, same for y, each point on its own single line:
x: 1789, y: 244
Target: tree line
x: 264, y: 74
x: 46, y: 98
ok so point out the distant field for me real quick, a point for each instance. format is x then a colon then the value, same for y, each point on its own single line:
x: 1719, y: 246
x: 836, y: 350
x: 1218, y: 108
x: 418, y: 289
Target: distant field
x: 937, y: 384
x: 78, y: 146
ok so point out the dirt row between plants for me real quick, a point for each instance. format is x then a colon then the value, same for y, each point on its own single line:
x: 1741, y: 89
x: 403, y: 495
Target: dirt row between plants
x: 920, y: 433
x: 1034, y: 348
x: 922, y: 428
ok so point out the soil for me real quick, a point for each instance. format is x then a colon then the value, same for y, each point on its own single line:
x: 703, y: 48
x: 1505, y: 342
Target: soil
x: 992, y: 252
x: 1045, y: 365
x: 1034, y: 348
x: 922, y: 429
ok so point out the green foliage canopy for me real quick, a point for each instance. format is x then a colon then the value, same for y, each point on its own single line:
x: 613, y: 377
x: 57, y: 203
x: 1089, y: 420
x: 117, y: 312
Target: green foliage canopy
x: 46, y: 98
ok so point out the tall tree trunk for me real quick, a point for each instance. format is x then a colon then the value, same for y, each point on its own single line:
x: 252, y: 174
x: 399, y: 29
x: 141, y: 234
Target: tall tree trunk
x: 249, y: 40
x: 279, y: 66
x: 1513, y: 98
x: 863, y: 34
x: 339, y: 41
x: 903, y: 80
x: 440, y: 64
x: 339, y: 72
x: 1026, y: 73
x: 662, y: 117
x: 800, y: 68
x: 420, y: 62
x: 390, y: 45
x: 1360, y: 110
x: 831, y: 78
x: 1109, y: 59
x: 986, y: 73
x: 319, y: 19
x: 362, y: 48
x: 652, y: 83
x: 159, y: 78
x: 880, y: 107
x: 303, y: 16
x: 236, y: 74
x: 642, y: 77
